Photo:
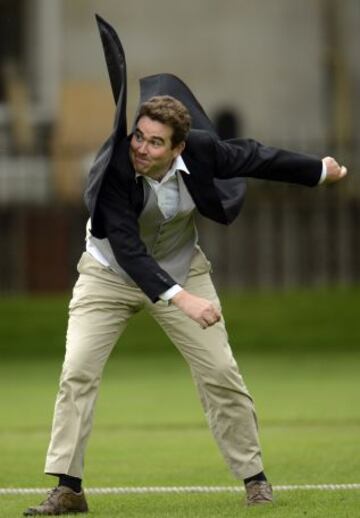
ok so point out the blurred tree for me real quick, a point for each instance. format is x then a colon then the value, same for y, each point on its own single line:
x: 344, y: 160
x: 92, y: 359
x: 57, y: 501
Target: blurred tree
x: 11, y: 38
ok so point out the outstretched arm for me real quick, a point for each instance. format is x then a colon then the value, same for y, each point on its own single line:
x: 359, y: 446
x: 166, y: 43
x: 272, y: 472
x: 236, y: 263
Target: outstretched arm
x: 248, y: 158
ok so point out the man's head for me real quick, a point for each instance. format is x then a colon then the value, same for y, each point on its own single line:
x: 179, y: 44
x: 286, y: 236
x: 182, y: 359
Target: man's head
x: 162, y: 126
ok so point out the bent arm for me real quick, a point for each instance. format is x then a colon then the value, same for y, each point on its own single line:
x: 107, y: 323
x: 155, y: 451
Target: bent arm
x: 122, y: 230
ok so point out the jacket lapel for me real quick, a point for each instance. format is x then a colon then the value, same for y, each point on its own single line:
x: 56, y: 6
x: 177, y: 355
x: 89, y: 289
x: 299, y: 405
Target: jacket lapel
x: 116, y: 65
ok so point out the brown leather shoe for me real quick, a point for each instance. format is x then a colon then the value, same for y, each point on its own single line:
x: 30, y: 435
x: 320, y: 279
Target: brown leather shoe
x: 60, y: 500
x: 258, y: 492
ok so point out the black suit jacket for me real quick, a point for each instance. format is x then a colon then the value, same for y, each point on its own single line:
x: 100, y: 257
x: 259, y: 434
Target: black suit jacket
x: 217, y: 171
x: 211, y: 163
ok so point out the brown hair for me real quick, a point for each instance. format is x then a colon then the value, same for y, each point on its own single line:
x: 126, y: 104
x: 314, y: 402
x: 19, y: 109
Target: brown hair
x: 170, y: 111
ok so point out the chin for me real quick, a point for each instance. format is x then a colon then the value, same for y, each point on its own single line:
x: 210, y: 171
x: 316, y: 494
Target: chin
x: 143, y: 170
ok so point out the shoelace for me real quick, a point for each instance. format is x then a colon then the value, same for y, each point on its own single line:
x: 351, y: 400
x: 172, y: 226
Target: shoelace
x: 261, y: 493
x: 51, y: 494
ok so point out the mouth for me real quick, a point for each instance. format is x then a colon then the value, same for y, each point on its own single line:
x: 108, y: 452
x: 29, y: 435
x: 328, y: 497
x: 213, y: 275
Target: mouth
x: 143, y: 162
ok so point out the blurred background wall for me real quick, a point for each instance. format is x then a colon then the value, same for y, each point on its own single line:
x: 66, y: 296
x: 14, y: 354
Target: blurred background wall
x: 283, y: 72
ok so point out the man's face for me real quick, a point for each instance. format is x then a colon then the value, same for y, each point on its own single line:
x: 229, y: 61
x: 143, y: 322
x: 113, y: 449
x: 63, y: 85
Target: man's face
x: 151, y: 150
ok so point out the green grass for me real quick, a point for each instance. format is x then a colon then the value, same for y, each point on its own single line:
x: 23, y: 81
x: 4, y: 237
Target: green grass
x: 325, y: 319
x: 149, y: 428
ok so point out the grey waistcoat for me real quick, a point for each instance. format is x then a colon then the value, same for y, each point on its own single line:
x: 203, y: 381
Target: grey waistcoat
x: 171, y: 242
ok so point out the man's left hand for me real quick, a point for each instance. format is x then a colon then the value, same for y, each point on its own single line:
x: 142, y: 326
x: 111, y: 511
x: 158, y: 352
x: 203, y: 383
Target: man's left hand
x: 334, y: 171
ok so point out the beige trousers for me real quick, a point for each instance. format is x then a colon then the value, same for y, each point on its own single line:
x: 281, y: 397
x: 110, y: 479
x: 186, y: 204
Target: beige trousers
x: 99, y: 311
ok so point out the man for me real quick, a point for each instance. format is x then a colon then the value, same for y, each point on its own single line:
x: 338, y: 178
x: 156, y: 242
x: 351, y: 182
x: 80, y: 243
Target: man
x: 142, y: 252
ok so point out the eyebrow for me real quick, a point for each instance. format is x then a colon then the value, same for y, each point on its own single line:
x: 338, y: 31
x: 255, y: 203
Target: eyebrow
x: 154, y: 137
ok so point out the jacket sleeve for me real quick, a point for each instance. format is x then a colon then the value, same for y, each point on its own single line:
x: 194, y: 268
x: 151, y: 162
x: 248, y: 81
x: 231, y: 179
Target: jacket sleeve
x: 122, y: 229
x: 248, y: 158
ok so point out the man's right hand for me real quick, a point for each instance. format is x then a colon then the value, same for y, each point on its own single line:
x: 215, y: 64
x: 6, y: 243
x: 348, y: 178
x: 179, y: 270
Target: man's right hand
x: 201, y: 310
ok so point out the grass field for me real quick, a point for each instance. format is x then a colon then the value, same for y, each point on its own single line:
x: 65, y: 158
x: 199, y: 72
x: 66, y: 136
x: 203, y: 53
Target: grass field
x: 299, y: 355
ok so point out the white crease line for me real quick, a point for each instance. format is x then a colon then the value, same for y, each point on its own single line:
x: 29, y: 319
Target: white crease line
x: 180, y: 489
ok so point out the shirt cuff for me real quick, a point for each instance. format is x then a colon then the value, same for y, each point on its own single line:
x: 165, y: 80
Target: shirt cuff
x: 170, y: 293
x: 323, y: 173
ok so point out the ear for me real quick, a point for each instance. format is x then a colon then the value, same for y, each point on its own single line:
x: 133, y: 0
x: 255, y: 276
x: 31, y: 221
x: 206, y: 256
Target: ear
x: 179, y: 149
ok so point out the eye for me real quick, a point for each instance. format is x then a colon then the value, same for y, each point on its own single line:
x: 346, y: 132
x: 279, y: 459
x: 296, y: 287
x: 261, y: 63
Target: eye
x: 156, y: 143
x: 138, y: 136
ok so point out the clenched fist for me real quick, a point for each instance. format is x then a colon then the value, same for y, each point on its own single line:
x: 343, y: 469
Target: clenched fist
x: 201, y: 310
x: 334, y: 171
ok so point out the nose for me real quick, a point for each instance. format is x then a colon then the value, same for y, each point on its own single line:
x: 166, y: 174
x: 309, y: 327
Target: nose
x: 142, y: 147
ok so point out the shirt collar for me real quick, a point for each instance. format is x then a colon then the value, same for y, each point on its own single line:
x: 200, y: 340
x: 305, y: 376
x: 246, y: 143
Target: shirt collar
x: 180, y: 165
